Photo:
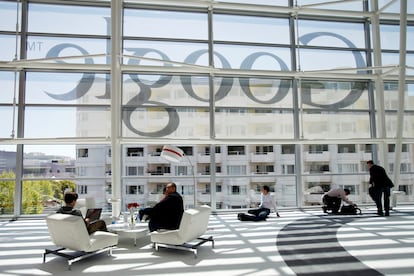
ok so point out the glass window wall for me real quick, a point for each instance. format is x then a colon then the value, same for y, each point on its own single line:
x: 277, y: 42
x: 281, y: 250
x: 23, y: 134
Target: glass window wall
x: 253, y: 98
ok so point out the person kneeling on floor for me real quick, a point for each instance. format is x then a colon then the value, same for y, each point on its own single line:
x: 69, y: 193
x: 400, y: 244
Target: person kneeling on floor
x: 267, y: 202
x: 333, y: 198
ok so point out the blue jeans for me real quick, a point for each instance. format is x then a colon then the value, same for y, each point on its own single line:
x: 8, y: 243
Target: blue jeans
x: 260, y: 213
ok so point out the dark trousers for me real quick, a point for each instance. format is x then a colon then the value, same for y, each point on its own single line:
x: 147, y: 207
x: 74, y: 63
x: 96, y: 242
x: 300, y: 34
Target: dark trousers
x: 332, y: 203
x: 379, y: 193
x: 260, y: 213
x: 97, y: 225
x: 155, y: 222
x: 154, y: 225
x: 144, y: 212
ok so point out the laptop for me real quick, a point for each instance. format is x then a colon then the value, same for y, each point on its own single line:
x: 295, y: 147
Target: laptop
x: 93, y: 214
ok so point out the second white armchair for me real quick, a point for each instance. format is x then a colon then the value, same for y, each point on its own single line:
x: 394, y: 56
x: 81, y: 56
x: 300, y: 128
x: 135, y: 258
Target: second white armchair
x: 192, y: 228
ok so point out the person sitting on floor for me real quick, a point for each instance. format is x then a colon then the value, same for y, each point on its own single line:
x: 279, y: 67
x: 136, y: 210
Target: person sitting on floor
x: 70, y: 200
x: 267, y: 202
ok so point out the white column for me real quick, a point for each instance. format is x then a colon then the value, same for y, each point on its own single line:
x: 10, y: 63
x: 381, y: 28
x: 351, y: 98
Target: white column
x: 116, y: 120
x: 379, y: 85
x: 401, y: 89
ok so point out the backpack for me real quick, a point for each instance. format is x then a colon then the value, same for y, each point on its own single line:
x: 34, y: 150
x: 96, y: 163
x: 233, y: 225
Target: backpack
x: 350, y: 210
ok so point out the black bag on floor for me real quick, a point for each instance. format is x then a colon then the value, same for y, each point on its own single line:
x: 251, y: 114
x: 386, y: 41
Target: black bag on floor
x: 350, y: 210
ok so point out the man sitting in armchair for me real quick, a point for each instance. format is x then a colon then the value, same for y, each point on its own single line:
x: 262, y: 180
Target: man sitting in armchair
x: 70, y: 200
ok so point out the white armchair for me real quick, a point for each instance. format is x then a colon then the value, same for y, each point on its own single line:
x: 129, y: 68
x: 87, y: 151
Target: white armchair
x: 69, y: 232
x: 83, y: 204
x: 192, y: 226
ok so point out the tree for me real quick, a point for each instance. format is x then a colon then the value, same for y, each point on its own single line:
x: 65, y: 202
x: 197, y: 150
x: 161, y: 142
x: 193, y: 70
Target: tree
x: 7, y: 192
x: 36, y: 194
x: 31, y: 198
x: 60, y: 186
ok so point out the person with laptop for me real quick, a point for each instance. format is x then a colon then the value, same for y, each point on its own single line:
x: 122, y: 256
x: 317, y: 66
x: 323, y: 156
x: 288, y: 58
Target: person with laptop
x: 92, y: 221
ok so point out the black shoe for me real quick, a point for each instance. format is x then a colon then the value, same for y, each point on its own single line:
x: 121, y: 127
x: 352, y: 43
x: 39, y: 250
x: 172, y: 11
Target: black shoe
x: 387, y: 214
x: 380, y: 214
x: 324, y: 209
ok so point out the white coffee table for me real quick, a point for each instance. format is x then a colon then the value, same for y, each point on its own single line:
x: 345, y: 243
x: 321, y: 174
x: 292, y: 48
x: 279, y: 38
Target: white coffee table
x: 124, y: 230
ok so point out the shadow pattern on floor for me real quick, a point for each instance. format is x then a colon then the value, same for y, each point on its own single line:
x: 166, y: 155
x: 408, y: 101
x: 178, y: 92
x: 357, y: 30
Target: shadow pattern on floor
x: 309, y: 246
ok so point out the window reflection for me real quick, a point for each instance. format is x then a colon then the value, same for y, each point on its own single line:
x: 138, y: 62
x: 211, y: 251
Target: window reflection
x: 68, y: 19
x: 248, y: 86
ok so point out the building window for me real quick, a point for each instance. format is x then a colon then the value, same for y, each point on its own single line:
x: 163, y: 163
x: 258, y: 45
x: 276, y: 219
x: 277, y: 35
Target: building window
x: 264, y: 169
x: 352, y: 188
x: 185, y: 189
x: 70, y: 170
x: 367, y: 148
x: 288, y: 169
x: 391, y: 148
x: 405, y: 188
x: 236, y: 170
x: 181, y: 170
x: 160, y: 188
x: 347, y: 168
x: 264, y: 149
x: 81, y: 171
x: 141, y: 189
x: 218, y: 188
x: 135, y: 152
x: 235, y: 190
x: 82, y: 153
x: 135, y: 189
x: 131, y: 171
x: 318, y: 168
x: 82, y: 189
x: 134, y: 170
x: 159, y: 170
x: 404, y: 167
x: 346, y: 149
x: 236, y: 150
x: 187, y: 150
x: 207, y: 150
x: 318, y: 148
x: 131, y: 190
x: 288, y: 149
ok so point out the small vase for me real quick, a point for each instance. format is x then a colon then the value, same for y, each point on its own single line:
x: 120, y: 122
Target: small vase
x: 131, y: 218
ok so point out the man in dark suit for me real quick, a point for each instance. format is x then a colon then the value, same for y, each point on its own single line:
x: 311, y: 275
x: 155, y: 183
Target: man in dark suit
x: 167, y: 213
x: 382, y: 185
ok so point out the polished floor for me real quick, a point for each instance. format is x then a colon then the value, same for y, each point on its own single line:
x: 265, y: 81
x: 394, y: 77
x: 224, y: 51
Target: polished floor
x: 300, y: 242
